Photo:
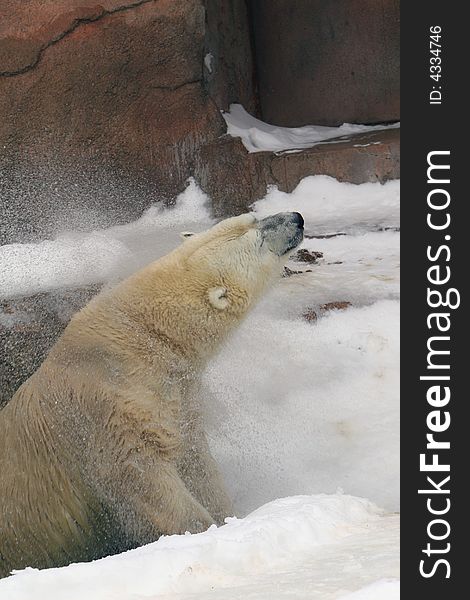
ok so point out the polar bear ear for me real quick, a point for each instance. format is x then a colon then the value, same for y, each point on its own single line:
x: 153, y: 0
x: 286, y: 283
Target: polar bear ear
x: 218, y: 297
x: 186, y: 234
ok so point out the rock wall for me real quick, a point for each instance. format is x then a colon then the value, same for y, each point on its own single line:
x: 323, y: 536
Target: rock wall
x: 241, y: 178
x: 29, y: 327
x: 328, y: 61
x: 99, y: 97
x: 229, y: 64
x: 107, y: 108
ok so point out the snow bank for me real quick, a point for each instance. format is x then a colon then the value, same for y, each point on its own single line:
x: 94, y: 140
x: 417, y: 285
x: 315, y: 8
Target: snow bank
x: 329, y: 206
x: 258, y: 136
x: 379, y: 590
x: 278, y: 536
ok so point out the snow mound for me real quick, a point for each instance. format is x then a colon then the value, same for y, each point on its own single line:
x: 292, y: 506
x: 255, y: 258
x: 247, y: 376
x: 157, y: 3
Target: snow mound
x: 329, y: 206
x: 379, y: 590
x: 258, y: 136
x: 273, y: 538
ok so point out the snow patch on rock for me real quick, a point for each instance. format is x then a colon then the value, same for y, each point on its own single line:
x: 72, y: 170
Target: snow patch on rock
x: 258, y: 136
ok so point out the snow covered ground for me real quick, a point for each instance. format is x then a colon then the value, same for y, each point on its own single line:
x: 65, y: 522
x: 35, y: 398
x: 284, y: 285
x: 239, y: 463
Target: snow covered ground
x: 319, y: 547
x: 294, y: 406
x: 258, y: 136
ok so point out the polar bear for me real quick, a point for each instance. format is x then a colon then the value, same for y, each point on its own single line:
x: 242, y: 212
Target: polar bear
x: 103, y: 448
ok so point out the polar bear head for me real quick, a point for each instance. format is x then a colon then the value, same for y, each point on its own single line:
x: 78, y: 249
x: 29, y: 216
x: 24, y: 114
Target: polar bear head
x: 240, y: 256
x: 199, y: 292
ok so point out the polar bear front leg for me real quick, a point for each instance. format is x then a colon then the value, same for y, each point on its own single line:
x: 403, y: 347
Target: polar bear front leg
x: 149, y: 499
x: 202, y: 477
x: 169, y: 504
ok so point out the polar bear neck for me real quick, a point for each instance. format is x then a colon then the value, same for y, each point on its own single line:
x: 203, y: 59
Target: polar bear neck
x: 134, y: 320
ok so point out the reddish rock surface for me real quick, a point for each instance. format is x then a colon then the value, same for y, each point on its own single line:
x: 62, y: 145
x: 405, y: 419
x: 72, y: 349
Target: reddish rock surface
x: 234, y: 178
x: 120, y: 81
x: 115, y: 88
x: 359, y: 158
x: 108, y: 107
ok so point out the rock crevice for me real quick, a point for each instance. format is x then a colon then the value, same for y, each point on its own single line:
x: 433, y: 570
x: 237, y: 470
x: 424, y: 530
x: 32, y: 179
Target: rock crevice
x: 76, y: 18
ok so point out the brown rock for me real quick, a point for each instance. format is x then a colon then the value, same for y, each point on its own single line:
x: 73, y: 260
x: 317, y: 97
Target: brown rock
x: 289, y: 272
x: 105, y: 110
x: 327, y: 61
x: 229, y: 72
x: 108, y: 93
x: 358, y: 158
x: 232, y: 176
x: 339, y: 305
x: 235, y: 178
x: 307, y: 256
x: 310, y: 315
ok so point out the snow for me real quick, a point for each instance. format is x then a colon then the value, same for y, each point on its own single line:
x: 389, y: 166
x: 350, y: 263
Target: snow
x: 73, y: 258
x: 329, y: 206
x: 379, y: 590
x: 208, y: 61
x: 334, y: 382
x: 278, y: 551
x: 258, y: 136
x: 292, y: 407
x: 321, y: 412
x: 78, y: 258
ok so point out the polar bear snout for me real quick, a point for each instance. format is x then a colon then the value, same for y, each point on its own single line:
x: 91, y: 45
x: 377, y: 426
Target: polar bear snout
x: 282, y: 232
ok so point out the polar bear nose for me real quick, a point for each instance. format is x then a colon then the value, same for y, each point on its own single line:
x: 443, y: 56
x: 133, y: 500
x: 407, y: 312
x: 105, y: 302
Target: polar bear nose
x: 299, y: 219
x: 281, y: 220
x: 282, y: 232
